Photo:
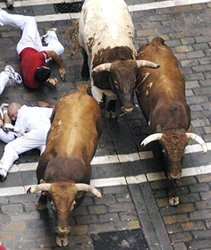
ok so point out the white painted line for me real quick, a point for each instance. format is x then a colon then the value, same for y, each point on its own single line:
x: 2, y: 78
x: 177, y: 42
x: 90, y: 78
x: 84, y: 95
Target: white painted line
x: 28, y: 166
x: 129, y: 157
x: 136, y: 179
x: 15, y: 168
x: 146, y: 155
x: 12, y: 191
x: 189, y: 172
x: 155, y: 176
x: 53, y: 17
x: 119, y: 181
x: 108, y: 159
x: 107, y: 182
x: 205, y: 169
x: 164, y: 4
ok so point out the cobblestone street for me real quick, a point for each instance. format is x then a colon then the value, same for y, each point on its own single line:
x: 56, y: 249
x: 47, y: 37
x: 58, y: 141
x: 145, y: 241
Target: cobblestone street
x: 133, y: 186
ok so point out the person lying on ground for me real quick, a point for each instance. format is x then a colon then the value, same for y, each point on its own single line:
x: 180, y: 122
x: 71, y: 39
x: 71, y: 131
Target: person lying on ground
x: 31, y: 127
x: 33, y: 55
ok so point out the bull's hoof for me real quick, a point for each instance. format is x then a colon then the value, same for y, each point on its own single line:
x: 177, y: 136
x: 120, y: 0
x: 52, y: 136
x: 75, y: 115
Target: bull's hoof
x: 110, y: 114
x: 40, y: 206
x: 62, y: 241
x: 174, y: 201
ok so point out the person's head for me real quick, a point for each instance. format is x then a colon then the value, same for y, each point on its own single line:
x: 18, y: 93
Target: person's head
x: 41, y: 74
x: 13, y: 110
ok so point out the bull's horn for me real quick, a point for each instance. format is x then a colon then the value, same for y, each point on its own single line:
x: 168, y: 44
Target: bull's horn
x: 102, y: 67
x: 88, y: 188
x: 40, y: 187
x: 144, y: 63
x: 199, y: 140
x: 150, y: 138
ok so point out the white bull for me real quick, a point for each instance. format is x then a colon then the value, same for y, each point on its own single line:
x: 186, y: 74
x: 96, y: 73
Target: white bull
x: 106, y: 35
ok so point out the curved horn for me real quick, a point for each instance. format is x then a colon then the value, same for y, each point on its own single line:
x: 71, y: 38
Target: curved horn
x: 144, y: 63
x: 40, y: 187
x: 88, y: 188
x: 102, y: 67
x: 150, y: 138
x: 199, y: 140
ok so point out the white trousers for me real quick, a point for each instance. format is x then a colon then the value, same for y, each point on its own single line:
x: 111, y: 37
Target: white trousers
x: 4, y: 78
x: 6, y: 137
x: 33, y: 139
x: 30, y: 35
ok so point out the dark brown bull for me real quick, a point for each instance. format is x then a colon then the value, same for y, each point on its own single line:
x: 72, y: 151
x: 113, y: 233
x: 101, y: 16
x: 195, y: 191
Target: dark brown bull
x: 161, y: 96
x: 64, y: 168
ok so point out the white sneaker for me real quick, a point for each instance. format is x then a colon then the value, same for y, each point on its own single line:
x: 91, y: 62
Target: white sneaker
x: 13, y: 75
x: 44, y: 37
x: 3, y: 174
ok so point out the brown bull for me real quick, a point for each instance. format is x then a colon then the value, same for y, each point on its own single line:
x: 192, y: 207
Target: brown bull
x: 161, y: 96
x: 64, y: 168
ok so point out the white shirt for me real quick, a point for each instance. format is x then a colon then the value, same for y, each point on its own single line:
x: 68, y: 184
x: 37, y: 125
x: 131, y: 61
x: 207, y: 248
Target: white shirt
x: 29, y: 118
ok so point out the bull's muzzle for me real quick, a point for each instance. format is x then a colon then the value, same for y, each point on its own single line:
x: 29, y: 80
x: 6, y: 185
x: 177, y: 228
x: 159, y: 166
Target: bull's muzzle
x: 127, y: 110
x: 61, y: 238
x: 63, y: 230
x: 174, y: 176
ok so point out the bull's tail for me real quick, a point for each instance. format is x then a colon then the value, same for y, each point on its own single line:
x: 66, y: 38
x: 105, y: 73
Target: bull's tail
x: 72, y: 38
x: 157, y: 41
x: 83, y: 88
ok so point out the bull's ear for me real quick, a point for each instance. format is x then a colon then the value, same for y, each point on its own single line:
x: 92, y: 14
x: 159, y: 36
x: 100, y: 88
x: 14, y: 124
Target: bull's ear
x: 190, y: 130
x: 158, y: 129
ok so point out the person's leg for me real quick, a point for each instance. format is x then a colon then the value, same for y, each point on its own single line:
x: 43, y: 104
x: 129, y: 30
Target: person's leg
x: 53, y: 42
x: 9, y: 156
x: 6, y: 75
x: 30, y: 36
x: 30, y: 140
x: 4, y: 78
x: 6, y: 137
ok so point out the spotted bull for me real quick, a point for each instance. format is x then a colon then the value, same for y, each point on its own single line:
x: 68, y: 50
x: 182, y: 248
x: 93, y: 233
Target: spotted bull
x: 161, y: 96
x: 64, y: 168
x: 106, y: 35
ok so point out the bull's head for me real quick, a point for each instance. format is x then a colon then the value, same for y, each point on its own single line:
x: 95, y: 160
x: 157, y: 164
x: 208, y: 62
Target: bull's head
x: 63, y: 195
x: 122, y: 75
x: 173, y: 145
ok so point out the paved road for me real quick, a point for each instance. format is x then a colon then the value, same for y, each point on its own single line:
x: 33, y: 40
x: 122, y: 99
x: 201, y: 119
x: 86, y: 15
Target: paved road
x: 130, y: 179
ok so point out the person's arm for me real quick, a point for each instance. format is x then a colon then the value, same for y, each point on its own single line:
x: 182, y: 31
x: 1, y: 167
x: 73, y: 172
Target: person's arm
x: 20, y: 123
x: 58, y: 60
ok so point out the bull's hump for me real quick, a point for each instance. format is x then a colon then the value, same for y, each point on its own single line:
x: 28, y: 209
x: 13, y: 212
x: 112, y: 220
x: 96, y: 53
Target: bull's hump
x: 110, y: 54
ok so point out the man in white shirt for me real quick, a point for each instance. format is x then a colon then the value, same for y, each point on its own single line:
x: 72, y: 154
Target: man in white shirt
x: 31, y: 127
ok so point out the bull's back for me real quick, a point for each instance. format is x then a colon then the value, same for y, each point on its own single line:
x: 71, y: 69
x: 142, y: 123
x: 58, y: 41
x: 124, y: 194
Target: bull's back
x: 158, y: 52
x: 76, y: 125
x: 114, y: 25
x: 162, y: 85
